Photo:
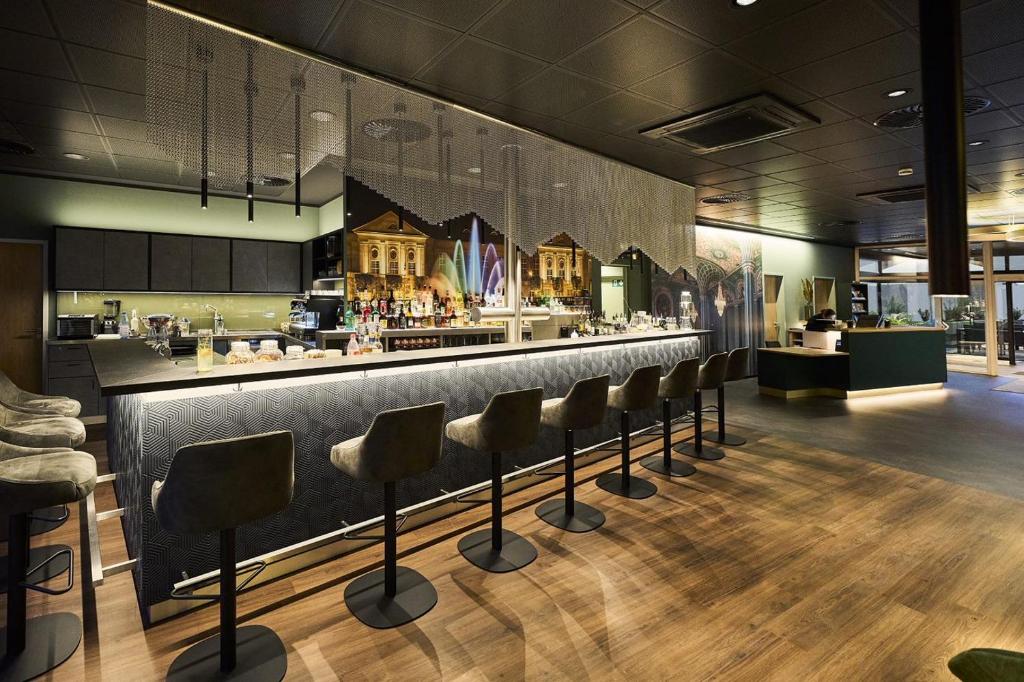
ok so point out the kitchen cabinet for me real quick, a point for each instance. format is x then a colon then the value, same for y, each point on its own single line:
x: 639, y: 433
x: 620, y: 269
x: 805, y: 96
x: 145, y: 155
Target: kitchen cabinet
x: 307, y: 265
x: 78, y: 259
x: 248, y: 265
x: 125, y: 261
x: 284, y: 267
x: 170, y: 262
x: 211, y: 264
x: 69, y: 372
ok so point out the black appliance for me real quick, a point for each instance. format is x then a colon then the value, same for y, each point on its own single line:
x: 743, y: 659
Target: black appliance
x: 327, y: 307
x: 77, y: 326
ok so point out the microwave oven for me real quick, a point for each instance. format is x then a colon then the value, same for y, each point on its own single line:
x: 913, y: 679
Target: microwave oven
x: 76, y: 326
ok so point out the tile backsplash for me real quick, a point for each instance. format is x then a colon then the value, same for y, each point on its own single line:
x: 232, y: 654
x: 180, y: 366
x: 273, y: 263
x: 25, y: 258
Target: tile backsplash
x: 240, y: 311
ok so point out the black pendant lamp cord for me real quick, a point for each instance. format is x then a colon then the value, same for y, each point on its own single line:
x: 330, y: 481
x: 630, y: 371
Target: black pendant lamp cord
x: 204, y: 182
x: 298, y: 155
x: 250, y: 94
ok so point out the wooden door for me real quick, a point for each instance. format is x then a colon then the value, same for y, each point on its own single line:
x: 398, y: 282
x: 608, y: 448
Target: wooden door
x: 21, y: 314
x: 773, y: 319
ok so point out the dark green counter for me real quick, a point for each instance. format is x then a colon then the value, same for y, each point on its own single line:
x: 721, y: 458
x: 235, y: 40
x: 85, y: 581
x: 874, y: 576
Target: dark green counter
x: 874, y: 361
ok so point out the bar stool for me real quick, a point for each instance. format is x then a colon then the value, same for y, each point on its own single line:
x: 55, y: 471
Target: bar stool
x: 36, y: 555
x: 399, y: 444
x: 218, y: 486
x: 40, y: 431
x: 710, y: 376
x: 582, y: 408
x: 34, y: 646
x: 34, y: 403
x: 736, y: 369
x: 509, y: 422
x: 679, y: 384
x: 639, y: 392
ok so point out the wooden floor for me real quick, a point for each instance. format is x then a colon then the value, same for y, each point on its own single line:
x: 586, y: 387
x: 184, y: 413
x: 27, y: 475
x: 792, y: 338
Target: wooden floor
x: 778, y: 562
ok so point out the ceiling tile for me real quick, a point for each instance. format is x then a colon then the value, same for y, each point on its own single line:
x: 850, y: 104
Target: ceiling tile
x: 551, y: 29
x: 892, y: 159
x: 891, y: 56
x: 632, y: 52
x: 465, y: 99
x: 479, y: 68
x: 821, y: 136
x: 124, y: 129
x: 383, y: 40
x: 749, y: 183
x: 116, y: 103
x: 289, y: 22
x: 985, y: 121
x: 110, y: 70
x: 521, y: 117
x: 717, y: 177
x: 863, y: 147
x: 47, y: 117
x: 992, y: 24
x: 712, y: 75
x: 52, y: 92
x: 722, y: 22
x: 994, y: 66
x: 61, y: 139
x: 459, y: 14
x: 824, y: 29
x: 113, y: 25
x: 30, y: 18
x: 556, y: 92
x: 738, y: 156
x: 33, y: 54
x: 779, y: 164
x: 1009, y: 92
x: 871, y: 100
x: 622, y: 111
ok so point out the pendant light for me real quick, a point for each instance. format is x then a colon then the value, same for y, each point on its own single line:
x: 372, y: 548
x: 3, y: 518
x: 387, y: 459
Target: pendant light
x: 204, y: 57
x: 298, y: 87
x: 250, y: 96
x: 481, y: 133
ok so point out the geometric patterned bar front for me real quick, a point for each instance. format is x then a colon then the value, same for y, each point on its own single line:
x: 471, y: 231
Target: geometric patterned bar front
x: 144, y: 431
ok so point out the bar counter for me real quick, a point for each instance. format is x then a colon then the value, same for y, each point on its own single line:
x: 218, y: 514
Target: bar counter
x: 156, y: 407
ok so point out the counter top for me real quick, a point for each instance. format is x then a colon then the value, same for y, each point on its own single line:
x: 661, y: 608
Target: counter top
x: 131, y: 366
x: 800, y: 350
x: 416, y: 331
x: 887, y: 330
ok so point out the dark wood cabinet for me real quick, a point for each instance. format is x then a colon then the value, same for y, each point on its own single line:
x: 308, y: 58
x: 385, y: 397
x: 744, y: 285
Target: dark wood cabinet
x: 78, y: 259
x: 170, y: 262
x: 211, y: 264
x: 125, y: 261
x: 284, y: 267
x: 248, y: 265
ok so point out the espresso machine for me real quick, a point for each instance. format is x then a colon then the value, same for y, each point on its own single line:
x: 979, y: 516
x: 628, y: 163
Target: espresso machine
x: 111, y: 314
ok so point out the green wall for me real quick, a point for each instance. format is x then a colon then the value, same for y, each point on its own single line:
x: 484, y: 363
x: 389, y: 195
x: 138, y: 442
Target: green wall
x: 796, y: 260
x: 31, y: 206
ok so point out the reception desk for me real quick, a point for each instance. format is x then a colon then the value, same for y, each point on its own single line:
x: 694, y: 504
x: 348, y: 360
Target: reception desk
x: 872, y: 362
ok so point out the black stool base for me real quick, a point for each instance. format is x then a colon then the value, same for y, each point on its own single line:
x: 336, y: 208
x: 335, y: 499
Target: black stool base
x: 49, y: 641
x: 584, y: 518
x: 51, y: 519
x: 261, y: 658
x: 36, y: 556
x: 516, y: 551
x: 708, y: 454
x: 728, y: 439
x: 626, y: 486
x: 675, y: 468
x: 365, y: 598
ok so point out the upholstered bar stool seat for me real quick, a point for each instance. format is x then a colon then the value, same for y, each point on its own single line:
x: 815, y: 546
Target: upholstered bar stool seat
x: 34, y: 646
x: 736, y: 369
x: 218, y: 486
x: 709, y: 377
x: 399, y: 444
x: 639, y: 392
x: 583, y: 407
x: 39, y: 431
x: 510, y: 421
x: 55, y: 405
x: 679, y: 384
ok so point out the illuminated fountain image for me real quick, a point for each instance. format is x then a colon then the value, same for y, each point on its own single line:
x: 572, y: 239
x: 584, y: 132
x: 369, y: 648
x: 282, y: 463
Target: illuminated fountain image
x: 454, y: 274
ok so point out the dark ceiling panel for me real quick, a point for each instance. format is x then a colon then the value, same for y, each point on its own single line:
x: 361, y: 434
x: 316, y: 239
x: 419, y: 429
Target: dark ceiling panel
x: 47, y: 117
x: 636, y: 50
x: 994, y: 66
x: 991, y: 24
x: 556, y: 92
x: 52, y: 92
x: 779, y: 164
x: 551, y: 29
x: 722, y: 22
x: 712, y: 75
x: 116, y: 103
x: 889, y: 57
x: 846, y: 131
x: 62, y: 139
x: 857, y: 148
x: 622, y: 111
x: 757, y: 151
x: 458, y: 14
x: 113, y: 25
x: 296, y: 22
x: 383, y: 40
x: 822, y: 30
x: 33, y: 54
x: 1009, y: 92
x: 108, y: 69
x: 30, y: 17
x: 480, y: 68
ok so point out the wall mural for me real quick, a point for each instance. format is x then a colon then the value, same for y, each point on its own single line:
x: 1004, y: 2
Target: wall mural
x: 726, y: 287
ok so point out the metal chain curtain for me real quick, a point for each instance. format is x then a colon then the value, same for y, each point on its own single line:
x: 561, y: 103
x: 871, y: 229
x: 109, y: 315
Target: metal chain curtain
x: 436, y: 160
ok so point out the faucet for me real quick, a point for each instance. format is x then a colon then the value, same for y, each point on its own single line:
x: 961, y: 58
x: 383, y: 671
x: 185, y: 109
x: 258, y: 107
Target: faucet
x: 218, y: 319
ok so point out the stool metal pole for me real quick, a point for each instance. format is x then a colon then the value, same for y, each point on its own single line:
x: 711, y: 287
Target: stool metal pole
x: 721, y: 411
x: 496, y: 501
x: 390, y: 540
x: 570, y: 472
x: 228, y: 602
x: 17, y: 559
x: 624, y: 428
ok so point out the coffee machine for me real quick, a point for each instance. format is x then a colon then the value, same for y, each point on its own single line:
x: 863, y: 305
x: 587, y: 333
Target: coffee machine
x: 111, y: 313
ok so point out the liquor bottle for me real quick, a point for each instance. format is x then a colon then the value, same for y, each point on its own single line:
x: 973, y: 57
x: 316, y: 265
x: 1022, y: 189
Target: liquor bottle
x: 353, y: 345
x: 366, y: 311
x: 437, y: 299
x: 350, y: 318
x: 391, y: 300
x: 401, y: 317
x: 437, y: 316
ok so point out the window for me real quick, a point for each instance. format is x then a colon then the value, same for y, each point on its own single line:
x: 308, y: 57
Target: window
x: 561, y: 268
x: 375, y: 261
x: 393, y: 262
x: 410, y: 258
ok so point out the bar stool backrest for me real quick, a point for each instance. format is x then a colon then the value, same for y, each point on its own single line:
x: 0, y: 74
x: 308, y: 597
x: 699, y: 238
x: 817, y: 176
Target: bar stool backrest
x: 737, y: 365
x: 8, y: 451
x: 712, y: 372
x: 639, y: 391
x: 511, y: 420
x: 223, y: 484
x: 583, y: 406
x: 9, y: 391
x: 401, y: 443
x: 681, y: 381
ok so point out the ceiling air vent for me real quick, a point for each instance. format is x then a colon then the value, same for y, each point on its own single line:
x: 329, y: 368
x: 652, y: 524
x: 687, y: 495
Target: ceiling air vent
x: 901, y: 195
x: 730, y: 198
x: 838, y: 223
x: 750, y: 120
x: 272, y: 181
x: 15, y: 147
x: 913, y: 116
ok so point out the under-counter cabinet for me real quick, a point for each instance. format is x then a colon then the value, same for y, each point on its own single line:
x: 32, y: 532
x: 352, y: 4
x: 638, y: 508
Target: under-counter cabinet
x: 69, y: 372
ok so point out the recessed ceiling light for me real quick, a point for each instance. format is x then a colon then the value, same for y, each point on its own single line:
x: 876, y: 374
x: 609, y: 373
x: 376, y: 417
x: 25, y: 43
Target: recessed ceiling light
x: 75, y: 156
x: 474, y: 170
x: 976, y: 143
x: 321, y: 115
x: 898, y: 92
x: 902, y: 172
x: 743, y: 3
